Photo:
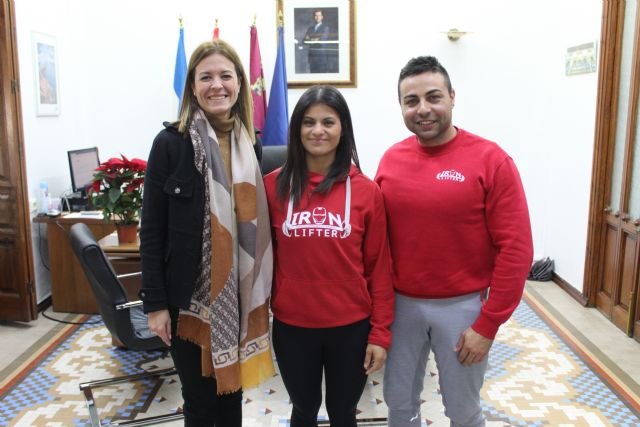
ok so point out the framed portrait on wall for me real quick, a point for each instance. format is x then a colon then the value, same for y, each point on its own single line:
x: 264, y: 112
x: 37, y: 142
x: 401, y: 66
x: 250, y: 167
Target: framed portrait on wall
x: 320, y: 43
x: 45, y: 53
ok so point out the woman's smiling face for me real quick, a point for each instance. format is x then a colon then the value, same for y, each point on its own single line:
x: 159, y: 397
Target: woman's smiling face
x: 216, y: 85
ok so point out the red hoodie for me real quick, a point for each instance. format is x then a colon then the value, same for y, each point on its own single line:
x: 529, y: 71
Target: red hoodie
x: 332, y: 260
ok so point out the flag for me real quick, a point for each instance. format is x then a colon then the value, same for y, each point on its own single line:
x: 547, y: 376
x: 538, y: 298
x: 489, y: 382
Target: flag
x: 216, y: 31
x: 180, y: 72
x: 277, y: 121
x: 256, y: 78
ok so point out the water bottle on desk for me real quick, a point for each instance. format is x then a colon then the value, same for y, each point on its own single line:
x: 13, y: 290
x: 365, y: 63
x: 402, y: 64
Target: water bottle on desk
x: 43, y: 198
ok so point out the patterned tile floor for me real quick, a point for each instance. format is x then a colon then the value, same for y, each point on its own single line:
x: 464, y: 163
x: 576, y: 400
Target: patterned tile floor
x: 534, y: 379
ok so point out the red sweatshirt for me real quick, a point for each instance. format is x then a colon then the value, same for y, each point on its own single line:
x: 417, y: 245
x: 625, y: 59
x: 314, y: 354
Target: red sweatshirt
x: 332, y: 265
x: 458, y: 223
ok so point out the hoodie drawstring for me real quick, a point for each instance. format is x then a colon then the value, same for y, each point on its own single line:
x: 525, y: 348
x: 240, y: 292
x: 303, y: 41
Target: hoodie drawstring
x: 346, y: 227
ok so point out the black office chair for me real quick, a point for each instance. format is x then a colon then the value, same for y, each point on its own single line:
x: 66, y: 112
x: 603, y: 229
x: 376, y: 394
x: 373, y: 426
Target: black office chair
x: 123, y: 318
x: 273, y: 156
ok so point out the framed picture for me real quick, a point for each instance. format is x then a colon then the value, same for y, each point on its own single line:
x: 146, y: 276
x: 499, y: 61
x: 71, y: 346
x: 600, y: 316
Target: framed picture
x: 320, y: 42
x: 45, y: 53
x: 581, y: 59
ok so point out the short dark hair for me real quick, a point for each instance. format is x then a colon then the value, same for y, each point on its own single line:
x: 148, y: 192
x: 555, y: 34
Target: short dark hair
x: 423, y: 64
x: 294, y: 175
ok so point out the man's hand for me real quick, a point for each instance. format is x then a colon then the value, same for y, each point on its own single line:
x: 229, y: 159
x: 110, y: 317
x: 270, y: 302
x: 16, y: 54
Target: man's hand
x: 374, y: 358
x: 472, y: 347
x: 160, y: 324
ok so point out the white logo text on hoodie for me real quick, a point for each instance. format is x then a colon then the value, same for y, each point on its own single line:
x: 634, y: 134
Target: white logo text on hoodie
x: 316, y: 223
x: 307, y: 224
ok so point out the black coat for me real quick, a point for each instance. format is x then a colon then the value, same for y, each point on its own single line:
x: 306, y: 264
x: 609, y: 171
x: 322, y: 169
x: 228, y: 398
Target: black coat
x: 172, y: 220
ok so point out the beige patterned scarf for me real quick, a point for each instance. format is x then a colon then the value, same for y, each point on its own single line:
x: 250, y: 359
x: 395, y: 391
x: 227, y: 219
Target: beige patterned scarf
x: 229, y: 312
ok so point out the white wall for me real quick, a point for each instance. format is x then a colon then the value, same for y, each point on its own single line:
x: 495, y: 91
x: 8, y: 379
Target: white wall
x: 116, y: 73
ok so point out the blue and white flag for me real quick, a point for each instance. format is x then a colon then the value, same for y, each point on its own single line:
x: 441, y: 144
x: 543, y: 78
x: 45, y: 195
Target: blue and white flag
x: 180, y: 72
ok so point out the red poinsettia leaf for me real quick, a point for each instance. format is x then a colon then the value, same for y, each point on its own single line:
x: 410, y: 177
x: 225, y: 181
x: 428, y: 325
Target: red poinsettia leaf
x: 115, y: 162
x: 138, y: 164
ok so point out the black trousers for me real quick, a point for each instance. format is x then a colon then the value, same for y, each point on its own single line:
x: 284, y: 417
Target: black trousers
x: 303, y: 354
x: 202, y: 406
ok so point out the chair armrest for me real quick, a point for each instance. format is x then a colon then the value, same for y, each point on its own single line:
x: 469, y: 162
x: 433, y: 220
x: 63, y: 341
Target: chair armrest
x: 124, y: 276
x: 128, y: 305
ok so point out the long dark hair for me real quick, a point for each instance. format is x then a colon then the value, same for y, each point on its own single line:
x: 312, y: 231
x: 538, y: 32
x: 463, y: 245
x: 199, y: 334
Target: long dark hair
x: 293, y: 177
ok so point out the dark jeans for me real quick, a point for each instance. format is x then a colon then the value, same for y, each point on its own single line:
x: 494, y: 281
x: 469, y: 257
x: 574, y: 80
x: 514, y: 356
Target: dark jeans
x: 202, y: 406
x: 303, y: 354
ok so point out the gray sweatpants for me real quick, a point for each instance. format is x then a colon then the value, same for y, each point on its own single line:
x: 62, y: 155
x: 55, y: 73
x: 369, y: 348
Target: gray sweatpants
x: 422, y: 325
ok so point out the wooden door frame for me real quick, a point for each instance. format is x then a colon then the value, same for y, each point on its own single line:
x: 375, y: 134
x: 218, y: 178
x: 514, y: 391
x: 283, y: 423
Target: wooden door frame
x: 604, y: 142
x: 602, y: 216
x: 14, y: 132
x: 631, y: 143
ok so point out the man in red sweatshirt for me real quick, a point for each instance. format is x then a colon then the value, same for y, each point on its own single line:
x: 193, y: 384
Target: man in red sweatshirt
x: 461, y: 245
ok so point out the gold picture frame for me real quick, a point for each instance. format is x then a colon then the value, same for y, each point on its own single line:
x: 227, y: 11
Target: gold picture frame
x: 319, y: 49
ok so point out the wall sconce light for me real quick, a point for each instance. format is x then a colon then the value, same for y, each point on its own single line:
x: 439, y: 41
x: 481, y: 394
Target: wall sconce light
x: 454, y: 34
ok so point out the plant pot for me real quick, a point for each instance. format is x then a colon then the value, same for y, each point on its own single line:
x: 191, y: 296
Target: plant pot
x: 127, y: 233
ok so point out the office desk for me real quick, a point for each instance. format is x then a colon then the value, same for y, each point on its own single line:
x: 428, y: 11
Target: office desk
x: 112, y: 248
x: 70, y: 290
x: 125, y: 258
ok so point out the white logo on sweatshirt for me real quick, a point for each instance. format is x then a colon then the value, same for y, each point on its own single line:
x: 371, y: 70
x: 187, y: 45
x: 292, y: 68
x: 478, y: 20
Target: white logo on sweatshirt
x: 316, y: 223
x: 319, y: 222
x: 450, y: 175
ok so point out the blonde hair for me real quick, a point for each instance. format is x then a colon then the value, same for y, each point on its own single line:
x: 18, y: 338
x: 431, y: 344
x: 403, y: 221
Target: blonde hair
x: 243, y: 107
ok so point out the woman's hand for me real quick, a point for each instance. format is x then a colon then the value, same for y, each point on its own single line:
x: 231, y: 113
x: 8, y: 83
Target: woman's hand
x: 160, y: 324
x: 374, y: 358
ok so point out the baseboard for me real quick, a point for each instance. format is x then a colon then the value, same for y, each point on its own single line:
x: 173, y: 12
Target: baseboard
x: 573, y: 292
x: 44, y: 304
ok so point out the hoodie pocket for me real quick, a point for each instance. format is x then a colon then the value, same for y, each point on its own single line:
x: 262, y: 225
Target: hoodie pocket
x: 320, y: 303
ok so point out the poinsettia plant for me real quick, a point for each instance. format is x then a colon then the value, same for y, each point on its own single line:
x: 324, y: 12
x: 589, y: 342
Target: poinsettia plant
x: 117, y: 189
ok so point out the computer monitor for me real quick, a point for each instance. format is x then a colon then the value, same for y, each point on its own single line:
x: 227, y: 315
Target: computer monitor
x: 82, y: 165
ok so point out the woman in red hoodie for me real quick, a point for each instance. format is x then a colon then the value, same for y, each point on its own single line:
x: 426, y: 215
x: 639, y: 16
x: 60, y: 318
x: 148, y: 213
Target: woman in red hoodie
x: 332, y: 297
